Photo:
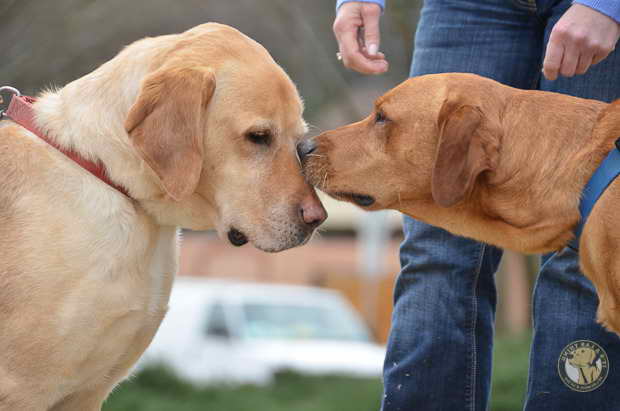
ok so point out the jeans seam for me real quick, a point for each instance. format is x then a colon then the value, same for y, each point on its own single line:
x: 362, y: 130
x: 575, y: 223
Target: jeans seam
x: 472, y: 380
x: 528, y: 391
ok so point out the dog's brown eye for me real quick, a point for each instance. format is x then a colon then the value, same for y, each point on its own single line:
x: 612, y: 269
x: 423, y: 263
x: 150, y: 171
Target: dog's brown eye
x: 259, y: 137
x: 380, y: 117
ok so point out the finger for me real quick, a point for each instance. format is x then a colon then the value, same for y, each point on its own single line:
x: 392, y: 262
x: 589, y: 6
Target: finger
x: 570, y: 60
x: 601, y: 55
x: 349, y: 46
x: 553, y: 58
x: 372, y: 35
x: 364, y: 65
x: 353, y: 58
x: 378, y: 56
x: 585, y: 61
x: 598, y: 58
x: 344, y: 25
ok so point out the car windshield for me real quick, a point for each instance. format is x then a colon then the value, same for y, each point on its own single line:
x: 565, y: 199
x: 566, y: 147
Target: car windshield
x: 298, y: 322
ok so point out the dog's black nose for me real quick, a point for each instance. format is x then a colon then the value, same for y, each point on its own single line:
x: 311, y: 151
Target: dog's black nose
x: 305, y: 147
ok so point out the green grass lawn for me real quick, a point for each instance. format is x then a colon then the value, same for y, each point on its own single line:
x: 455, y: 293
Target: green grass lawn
x: 510, y: 366
x: 157, y: 389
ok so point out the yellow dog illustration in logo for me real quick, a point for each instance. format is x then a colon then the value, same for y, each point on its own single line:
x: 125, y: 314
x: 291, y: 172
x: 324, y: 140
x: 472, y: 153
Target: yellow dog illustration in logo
x: 584, y: 359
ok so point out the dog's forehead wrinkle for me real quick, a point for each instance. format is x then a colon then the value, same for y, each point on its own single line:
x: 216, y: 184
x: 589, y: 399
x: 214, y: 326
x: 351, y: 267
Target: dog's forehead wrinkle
x: 255, y: 123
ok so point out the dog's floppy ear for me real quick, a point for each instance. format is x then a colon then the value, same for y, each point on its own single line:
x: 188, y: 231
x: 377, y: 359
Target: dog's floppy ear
x: 166, y: 124
x: 463, y: 152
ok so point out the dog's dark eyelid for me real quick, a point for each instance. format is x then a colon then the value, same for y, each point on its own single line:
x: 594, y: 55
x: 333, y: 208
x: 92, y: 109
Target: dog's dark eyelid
x: 380, y: 117
x: 259, y: 137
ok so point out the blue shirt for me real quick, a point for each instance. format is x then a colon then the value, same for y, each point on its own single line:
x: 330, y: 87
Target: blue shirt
x: 610, y: 8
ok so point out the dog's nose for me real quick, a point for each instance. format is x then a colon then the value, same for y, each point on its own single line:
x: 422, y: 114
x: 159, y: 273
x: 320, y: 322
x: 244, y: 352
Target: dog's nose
x: 312, y: 211
x: 305, y: 147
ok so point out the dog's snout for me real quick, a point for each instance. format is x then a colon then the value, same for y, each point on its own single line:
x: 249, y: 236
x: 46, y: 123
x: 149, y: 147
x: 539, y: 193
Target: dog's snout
x: 312, y: 212
x: 305, y: 147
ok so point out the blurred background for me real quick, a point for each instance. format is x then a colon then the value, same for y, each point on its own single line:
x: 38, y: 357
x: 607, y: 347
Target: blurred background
x: 302, y: 330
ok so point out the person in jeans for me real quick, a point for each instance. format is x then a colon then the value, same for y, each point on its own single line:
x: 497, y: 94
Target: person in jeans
x: 440, y: 346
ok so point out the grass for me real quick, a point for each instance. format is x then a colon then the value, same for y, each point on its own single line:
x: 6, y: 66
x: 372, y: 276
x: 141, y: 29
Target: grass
x: 157, y: 389
x: 511, y: 360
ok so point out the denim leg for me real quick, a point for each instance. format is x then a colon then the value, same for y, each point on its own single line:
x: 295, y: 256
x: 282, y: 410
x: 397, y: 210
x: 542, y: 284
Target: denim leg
x: 439, y: 351
x: 564, y: 310
x: 440, y: 345
x: 565, y: 301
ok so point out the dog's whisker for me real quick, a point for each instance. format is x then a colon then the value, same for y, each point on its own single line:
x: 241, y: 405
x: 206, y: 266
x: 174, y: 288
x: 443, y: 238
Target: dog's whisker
x: 313, y: 127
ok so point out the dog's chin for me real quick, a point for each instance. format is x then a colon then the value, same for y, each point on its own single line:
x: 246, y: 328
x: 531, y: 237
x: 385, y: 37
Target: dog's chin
x: 361, y: 200
x: 266, y: 240
x: 276, y: 244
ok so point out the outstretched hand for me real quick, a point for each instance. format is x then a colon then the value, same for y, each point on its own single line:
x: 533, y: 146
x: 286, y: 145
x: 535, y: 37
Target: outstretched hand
x: 357, y: 31
x: 581, y: 38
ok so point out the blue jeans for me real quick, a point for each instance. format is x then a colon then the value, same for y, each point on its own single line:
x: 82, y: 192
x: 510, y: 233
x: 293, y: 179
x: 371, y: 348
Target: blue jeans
x: 440, y: 346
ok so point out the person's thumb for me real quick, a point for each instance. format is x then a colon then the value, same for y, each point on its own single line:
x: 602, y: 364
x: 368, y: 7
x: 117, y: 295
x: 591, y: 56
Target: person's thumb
x: 371, y: 14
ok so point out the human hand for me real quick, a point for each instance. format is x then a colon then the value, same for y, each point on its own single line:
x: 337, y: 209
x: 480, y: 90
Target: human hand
x: 357, y: 31
x: 581, y: 38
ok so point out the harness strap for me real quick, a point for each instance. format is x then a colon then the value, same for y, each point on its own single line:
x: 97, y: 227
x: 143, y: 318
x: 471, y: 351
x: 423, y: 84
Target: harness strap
x: 598, y: 183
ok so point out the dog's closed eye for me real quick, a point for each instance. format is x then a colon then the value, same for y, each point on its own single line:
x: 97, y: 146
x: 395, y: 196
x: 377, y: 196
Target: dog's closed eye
x: 262, y: 137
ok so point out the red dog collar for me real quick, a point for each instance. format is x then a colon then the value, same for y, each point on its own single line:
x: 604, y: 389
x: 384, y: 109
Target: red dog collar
x: 20, y: 111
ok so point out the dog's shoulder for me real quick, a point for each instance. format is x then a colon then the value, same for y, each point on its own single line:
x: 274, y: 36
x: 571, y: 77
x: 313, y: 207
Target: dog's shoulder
x: 18, y: 154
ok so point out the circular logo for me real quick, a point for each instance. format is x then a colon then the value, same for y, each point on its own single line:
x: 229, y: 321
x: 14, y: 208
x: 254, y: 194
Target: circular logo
x: 583, y: 365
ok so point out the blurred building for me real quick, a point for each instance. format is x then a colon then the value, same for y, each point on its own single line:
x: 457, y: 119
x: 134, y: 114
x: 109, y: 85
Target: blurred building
x: 334, y: 258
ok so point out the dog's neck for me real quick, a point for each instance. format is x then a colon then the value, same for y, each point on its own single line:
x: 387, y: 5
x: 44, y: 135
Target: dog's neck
x: 88, y: 116
x: 542, y: 171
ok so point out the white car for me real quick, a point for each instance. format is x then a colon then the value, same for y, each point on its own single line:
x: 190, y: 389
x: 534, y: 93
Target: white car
x: 230, y: 332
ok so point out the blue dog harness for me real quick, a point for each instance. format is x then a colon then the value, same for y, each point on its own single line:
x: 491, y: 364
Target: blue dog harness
x: 600, y: 180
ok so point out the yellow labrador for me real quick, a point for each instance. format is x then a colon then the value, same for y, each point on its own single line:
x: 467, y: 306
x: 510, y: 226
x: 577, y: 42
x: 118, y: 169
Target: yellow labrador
x: 486, y: 161
x: 200, y: 129
x: 584, y: 360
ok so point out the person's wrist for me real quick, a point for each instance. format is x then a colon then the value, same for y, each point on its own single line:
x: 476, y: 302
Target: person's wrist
x: 610, y: 8
x: 381, y: 3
